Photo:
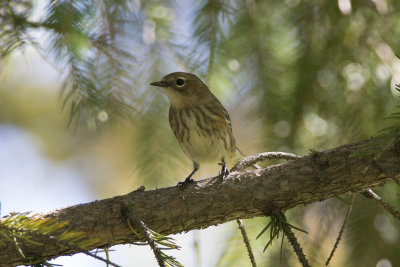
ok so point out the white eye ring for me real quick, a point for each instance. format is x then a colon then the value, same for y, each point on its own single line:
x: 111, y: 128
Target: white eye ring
x: 180, y: 82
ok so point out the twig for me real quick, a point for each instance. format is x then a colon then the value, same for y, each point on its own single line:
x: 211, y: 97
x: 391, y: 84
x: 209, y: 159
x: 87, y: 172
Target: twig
x: 250, y: 160
x: 212, y: 41
x: 341, y: 230
x: 378, y: 200
x: 131, y: 217
x: 292, y: 239
x: 62, y: 243
x: 247, y: 242
x: 107, y: 256
x: 93, y: 255
x: 107, y: 261
x: 196, y: 246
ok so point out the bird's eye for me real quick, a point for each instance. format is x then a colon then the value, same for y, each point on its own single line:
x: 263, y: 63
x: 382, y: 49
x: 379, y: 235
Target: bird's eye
x: 180, y: 82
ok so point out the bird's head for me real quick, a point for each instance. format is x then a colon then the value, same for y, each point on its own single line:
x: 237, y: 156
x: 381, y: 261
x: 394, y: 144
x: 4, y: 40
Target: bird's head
x: 183, y: 89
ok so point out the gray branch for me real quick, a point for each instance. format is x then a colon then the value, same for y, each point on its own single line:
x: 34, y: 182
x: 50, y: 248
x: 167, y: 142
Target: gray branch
x: 243, y: 194
x: 251, y: 160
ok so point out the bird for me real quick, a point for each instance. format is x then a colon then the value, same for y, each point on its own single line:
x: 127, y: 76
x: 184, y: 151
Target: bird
x: 199, y: 122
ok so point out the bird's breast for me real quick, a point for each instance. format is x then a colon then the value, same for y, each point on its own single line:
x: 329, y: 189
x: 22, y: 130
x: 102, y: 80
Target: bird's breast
x: 204, y: 136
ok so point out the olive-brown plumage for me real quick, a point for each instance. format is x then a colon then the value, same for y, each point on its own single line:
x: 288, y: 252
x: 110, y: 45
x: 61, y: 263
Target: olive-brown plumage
x: 198, y: 120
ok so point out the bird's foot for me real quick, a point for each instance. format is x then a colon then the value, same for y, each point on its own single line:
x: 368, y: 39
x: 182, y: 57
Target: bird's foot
x: 188, y: 180
x: 223, y: 172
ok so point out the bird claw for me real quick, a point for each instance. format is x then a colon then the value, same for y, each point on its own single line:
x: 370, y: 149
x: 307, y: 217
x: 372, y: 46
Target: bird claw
x: 188, y: 180
x: 223, y: 172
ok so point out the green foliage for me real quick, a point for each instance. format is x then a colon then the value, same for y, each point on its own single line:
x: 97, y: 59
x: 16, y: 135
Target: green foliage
x: 275, y: 226
x: 85, y: 40
x: 167, y: 243
x: 161, y: 242
x: 14, y: 26
x: 19, y: 226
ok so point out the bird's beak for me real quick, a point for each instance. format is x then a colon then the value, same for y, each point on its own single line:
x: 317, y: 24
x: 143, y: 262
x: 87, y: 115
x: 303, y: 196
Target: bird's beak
x: 159, y: 84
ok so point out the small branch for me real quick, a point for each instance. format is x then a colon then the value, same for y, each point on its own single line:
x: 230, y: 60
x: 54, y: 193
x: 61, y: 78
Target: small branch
x: 378, y: 200
x: 212, y: 40
x: 292, y: 239
x: 131, y: 217
x: 250, y: 160
x: 107, y: 256
x: 341, y: 230
x: 247, y: 242
x: 106, y: 260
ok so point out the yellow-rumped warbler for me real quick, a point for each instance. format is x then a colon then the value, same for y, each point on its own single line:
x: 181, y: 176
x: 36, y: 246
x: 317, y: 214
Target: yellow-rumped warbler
x: 199, y: 121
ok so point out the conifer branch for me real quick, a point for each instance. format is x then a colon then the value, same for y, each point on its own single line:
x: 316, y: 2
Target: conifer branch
x: 247, y: 242
x: 286, y: 228
x: 149, y: 237
x: 346, y: 217
x: 378, y: 200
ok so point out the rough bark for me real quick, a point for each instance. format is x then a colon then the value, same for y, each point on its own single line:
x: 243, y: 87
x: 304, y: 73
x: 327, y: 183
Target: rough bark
x: 243, y: 194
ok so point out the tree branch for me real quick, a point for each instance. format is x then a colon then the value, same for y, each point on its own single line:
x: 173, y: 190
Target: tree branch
x: 246, y: 242
x: 147, y: 234
x: 292, y: 239
x: 346, y: 217
x: 243, y: 194
x: 378, y: 200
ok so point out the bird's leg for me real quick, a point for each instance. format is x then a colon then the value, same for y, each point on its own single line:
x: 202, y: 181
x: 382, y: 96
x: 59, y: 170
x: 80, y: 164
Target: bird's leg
x: 224, y: 170
x: 189, y: 179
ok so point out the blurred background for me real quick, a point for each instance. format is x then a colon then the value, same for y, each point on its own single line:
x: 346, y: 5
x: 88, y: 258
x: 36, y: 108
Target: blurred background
x: 79, y: 121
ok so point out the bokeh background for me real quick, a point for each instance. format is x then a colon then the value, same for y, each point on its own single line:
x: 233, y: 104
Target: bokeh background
x: 79, y: 121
